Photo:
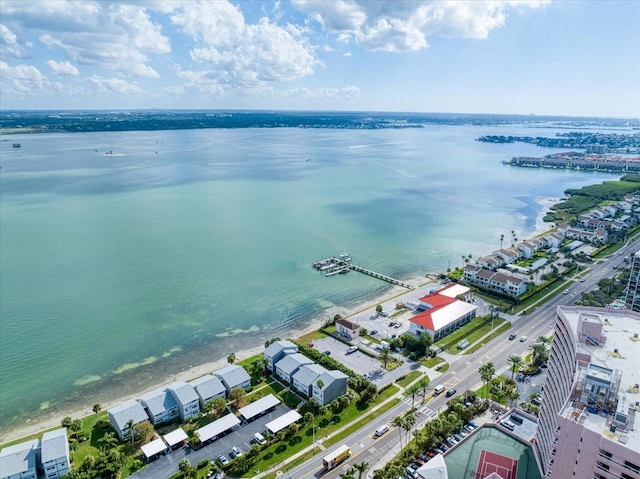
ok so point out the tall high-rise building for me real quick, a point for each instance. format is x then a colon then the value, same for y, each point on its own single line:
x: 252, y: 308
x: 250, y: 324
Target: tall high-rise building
x: 591, y: 397
x: 633, y: 288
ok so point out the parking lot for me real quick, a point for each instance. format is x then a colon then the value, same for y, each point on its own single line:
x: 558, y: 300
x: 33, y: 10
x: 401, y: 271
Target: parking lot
x: 358, y: 361
x: 165, y: 466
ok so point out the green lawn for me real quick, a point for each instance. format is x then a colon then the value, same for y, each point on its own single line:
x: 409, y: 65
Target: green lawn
x: 408, y: 378
x: 361, y: 423
x: 496, y: 332
x: 324, y: 425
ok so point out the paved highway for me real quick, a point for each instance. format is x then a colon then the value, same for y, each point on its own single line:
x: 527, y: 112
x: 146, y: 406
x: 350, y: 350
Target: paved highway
x: 463, y: 374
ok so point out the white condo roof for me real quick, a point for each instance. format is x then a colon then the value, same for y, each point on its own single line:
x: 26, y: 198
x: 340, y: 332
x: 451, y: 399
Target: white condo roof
x: 153, y: 448
x: 175, y: 437
x: 217, y: 427
x: 259, y: 406
x: 283, y: 421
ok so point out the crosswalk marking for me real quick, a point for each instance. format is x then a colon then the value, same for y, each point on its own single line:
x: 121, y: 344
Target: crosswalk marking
x: 420, y: 409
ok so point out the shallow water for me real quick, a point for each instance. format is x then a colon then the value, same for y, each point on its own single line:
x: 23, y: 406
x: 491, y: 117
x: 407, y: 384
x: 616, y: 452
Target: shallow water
x: 121, y: 270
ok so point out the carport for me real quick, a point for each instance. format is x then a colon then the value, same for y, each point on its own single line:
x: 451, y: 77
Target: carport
x: 259, y: 407
x: 283, y: 422
x: 153, y: 449
x: 175, y: 438
x: 210, y: 432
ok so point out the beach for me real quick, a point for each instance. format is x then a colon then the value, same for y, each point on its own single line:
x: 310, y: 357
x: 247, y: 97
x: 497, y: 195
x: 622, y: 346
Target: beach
x: 36, y: 427
x: 31, y: 428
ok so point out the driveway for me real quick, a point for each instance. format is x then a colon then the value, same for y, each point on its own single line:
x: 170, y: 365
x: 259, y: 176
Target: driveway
x: 165, y: 466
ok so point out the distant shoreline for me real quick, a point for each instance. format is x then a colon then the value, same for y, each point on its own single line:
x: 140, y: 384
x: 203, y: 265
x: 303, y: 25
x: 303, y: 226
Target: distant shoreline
x: 41, y: 425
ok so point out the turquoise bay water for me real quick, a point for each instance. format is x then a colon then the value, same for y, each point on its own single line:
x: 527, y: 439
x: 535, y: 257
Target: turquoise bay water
x: 118, y: 271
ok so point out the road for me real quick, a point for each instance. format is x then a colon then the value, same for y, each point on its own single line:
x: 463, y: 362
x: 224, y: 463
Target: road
x: 463, y: 374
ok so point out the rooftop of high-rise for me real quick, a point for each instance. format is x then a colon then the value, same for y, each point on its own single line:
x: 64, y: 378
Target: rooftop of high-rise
x: 606, y: 394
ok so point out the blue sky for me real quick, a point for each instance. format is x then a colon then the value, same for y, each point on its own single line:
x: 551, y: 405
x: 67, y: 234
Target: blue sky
x: 577, y: 58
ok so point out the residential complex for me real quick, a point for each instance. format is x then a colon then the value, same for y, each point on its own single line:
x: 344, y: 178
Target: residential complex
x: 592, y: 394
x: 50, y: 455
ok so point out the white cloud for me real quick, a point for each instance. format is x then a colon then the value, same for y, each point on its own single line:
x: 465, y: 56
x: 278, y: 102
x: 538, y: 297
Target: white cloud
x: 62, y: 68
x: 114, y: 85
x: 402, y: 25
x: 238, y: 56
x: 22, y: 80
x: 9, y: 46
x: 113, y: 36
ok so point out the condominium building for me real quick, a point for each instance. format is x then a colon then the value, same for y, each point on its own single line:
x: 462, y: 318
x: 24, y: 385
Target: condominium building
x: 591, y: 396
x: 633, y: 288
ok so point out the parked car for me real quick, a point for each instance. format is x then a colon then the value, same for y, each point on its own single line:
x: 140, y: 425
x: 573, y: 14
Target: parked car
x: 384, y: 313
x: 374, y: 331
x: 457, y: 437
x: 327, y: 352
x: 473, y: 424
x: 235, y: 452
x: 352, y: 349
x: 397, y: 325
x: 223, y: 460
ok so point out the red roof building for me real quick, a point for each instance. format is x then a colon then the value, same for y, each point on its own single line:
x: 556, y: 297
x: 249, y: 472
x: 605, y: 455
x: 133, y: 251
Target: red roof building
x: 443, y: 313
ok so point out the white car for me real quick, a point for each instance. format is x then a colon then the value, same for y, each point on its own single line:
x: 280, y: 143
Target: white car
x: 235, y: 452
x: 523, y: 339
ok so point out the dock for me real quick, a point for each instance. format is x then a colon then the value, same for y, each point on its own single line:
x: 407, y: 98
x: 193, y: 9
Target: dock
x: 342, y: 264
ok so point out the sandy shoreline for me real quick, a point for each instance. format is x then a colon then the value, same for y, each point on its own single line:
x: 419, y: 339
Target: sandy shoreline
x: 542, y: 226
x: 40, y: 425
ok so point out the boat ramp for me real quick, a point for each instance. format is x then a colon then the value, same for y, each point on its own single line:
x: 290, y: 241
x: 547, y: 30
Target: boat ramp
x: 342, y: 264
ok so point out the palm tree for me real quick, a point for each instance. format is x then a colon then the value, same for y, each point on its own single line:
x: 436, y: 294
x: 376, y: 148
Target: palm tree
x: 408, y: 422
x: 361, y: 468
x: 97, y: 408
x: 543, y: 340
x: 320, y: 385
x: 231, y: 358
x: 184, y: 466
x: 384, y: 357
x: 513, y: 395
x: 515, y: 362
x: 108, y: 441
x: 424, y: 384
x: 130, y: 428
x: 487, y: 371
x: 349, y: 474
x: 501, y: 240
x: 537, y: 350
x: 399, y: 422
x: 413, y: 389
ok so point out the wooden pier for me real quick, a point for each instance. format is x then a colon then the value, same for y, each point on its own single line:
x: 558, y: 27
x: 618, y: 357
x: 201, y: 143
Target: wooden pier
x: 342, y: 264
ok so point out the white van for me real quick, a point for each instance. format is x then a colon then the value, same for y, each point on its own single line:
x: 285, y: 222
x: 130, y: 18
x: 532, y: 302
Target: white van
x: 508, y: 424
x: 438, y: 390
x: 259, y: 438
x: 381, y: 430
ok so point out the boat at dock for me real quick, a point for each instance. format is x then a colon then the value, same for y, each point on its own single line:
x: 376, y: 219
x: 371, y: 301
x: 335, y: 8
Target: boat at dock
x: 17, y: 145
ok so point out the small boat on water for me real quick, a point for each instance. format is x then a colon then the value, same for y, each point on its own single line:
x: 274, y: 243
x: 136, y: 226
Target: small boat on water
x: 17, y: 145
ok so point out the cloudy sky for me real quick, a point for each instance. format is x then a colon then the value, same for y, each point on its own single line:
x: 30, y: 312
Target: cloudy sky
x: 545, y: 57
